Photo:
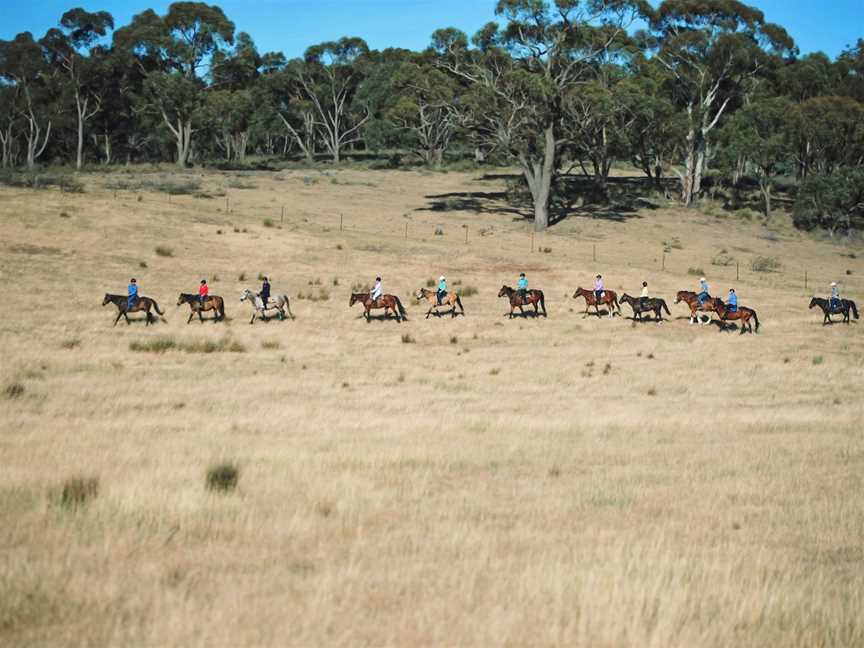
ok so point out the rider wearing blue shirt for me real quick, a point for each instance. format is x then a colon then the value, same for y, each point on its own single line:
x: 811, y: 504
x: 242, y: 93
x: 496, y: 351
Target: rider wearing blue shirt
x: 733, y: 301
x: 133, y: 294
x: 442, y: 289
x: 522, y: 285
x: 703, y: 291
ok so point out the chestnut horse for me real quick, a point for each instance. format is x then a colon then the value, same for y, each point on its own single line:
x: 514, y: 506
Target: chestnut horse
x: 211, y: 302
x: 532, y: 298
x: 743, y: 313
x: 450, y: 299
x: 387, y: 302
x: 122, y: 304
x: 609, y: 298
x: 692, y: 300
x: 845, y: 306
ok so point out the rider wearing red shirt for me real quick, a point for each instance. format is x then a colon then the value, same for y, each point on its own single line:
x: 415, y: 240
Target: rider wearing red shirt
x: 203, y: 291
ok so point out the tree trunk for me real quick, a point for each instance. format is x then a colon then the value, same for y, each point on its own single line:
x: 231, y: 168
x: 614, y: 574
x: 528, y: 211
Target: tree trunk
x: 479, y: 155
x: 538, y: 174
x: 765, y: 188
x: 79, y: 159
x: 107, y: 148
x: 184, y: 142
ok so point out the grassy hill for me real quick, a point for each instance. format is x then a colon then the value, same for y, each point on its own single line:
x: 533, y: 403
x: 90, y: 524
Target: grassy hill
x: 475, y: 481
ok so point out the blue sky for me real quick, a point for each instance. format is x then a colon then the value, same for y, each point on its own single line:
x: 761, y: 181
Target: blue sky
x: 292, y: 25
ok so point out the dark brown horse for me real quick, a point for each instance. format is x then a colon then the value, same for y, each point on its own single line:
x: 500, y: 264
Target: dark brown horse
x: 742, y: 313
x: 532, y: 298
x: 692, y: 300
x: 609, y: 298
x: 846, y: 305
x: 387, y: 302
x: 645, y: 304
x: 451, y: 299
x: 122, y: 304
x: 211, y: 302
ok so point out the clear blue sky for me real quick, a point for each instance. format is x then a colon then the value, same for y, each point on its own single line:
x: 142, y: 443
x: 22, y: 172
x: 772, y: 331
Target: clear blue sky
x: 290, y: 26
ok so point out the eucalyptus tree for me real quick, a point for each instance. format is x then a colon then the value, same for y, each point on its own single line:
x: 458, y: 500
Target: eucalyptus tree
x: 521, y: 72
x: 175, y: 52
x: 68, y: 48
x: 711, y: 47
x: 25, y: 68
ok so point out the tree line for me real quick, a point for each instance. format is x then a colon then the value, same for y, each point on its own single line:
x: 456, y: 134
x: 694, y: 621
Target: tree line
x: 692, y: 93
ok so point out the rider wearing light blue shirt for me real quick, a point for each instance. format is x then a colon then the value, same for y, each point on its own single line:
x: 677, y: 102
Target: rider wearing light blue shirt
x: 732, y: 301
x: 522, y: 285
x: 703, y: 291
x: 442, y: 289
x: 133, y: 294
x: 835, y: 296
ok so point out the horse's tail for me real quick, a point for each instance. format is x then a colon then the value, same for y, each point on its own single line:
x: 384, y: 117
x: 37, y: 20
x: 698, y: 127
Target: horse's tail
x: 222, y: 308
x: 755, y: 319
x: 156, y: 306
x: 854, y: 308
x: 542, y: 301
x: 461, y: 308
x: 402, y: 312
x: 665, y: 307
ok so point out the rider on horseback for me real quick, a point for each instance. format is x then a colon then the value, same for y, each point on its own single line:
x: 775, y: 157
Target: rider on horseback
x: 203, y: 291
x: 644, y: 293
x: 835, y: 296
x: 265, y: 292
x: 377, y: 290
x: 133, y: 294
x: 703, y: 291
x: 598, y: 288
x: 732, y: 302
x: 442, y: 289
x: 522, y: 286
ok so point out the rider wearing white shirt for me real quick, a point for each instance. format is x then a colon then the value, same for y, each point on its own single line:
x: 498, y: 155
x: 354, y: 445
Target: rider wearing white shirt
x: 378, y: 290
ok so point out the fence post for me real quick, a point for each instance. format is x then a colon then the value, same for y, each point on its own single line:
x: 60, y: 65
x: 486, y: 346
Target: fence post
x: 532, y: 240
x: 737, y: 268
x: 227, y: 205
x: 406, y: 231
x: 282, y: 217
x: 805, y: 279
x: 663, y: 266
x: 340, y: 222
x: 594, y: 252
x: 466, y: 235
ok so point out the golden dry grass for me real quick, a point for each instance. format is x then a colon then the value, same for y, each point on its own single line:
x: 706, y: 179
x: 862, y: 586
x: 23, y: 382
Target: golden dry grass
x: 566, y: 481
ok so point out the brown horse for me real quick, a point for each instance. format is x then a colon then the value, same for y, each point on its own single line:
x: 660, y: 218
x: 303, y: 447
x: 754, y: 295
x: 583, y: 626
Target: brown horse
x: 531, y: 298
x: 645, y: 304
x: 122, y: 304
x: 211, y: 302
x: 609, y: 298
x: 387, y: 302
x: 692, y: 300
x: 451, y: 299
x: 744, y: 314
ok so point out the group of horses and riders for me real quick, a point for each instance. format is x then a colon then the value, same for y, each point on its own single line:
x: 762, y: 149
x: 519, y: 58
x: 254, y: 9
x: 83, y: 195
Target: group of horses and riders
x: 700, y: 302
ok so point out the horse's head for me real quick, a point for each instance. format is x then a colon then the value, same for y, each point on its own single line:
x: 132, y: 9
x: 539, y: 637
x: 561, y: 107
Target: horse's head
x: 681, y: 295
x: 579, y: 292
x: 626, y: 298
x: 505, y: 290
x: 107, y: 299
x: 813, y: 302
x: 420, y: 294
x: 181, y: 299
x: 354, y: 299
x: 247, y: 294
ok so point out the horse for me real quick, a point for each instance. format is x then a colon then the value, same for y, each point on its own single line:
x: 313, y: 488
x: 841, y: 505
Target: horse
x: 610, y: 298
x: 122, y: 304
x: 387, y: 302
x: 845, y: 306
x: 742, y: 313
x: 644, y: 304
x: 532, y: 298
x: 211, y: 302
x: 278, y: 303
x: 450, y: 299
x: 692, y: 300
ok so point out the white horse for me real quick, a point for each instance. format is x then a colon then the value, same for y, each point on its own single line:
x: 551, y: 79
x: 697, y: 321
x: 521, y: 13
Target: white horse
x: 278, y: 303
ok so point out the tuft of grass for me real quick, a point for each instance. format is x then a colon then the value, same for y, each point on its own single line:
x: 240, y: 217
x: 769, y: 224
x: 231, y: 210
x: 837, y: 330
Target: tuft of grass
x: 184, y: 187
x: 270, y: 344
x: 223, y: 477
x: 241, y: 276
x: 454, y: 339
x: 64, y: 214
x: 164, y: 251
x: 407, y: 339
x: 268, y: 222
x: 467, y: 291
x: 818, y: 360
x: 339, y: 246
x: 652, y: 391
x: 545, y: 250
x: 75, y: 492
x: 765, y: 264
x: 225, y: 345
x: 723, y: 259
x: 142, y: 264
x: 70, y: 343
x: 673, y: 244
x: 155, y: 345
x: 439, y: 231
x: 238, y: 183
x: 697, y: 271
x: 13, y: 390
x: 494, y: 371
x: 430, y: 283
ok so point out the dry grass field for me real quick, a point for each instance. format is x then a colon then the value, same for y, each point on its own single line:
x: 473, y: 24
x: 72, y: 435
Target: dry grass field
x: 478, y: 481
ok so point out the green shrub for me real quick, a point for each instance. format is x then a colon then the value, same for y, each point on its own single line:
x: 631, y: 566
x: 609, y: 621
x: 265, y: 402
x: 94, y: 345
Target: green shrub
x: 223, y: 477
x: 14, y: 390
x: 156, y: 345
x: 164, y: 251
x: 268, y: 222
x: 467, y: 291
x: 697, y: 271
x: 75, y: 492
x: 765, y: 264
x: 723, y: 260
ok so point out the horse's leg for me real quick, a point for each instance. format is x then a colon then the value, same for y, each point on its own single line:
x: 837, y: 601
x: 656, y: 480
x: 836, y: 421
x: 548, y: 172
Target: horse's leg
x: 429, y: 312
x: 119, y: 315
x: 191, y: 315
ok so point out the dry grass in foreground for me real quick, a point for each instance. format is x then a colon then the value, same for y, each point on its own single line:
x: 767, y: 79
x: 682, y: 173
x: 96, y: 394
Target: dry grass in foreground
x: 564, y: 481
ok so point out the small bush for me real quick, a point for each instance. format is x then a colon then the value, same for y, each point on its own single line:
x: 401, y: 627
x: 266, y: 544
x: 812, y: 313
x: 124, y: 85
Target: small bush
x: 183, y: 187
x: 270, y: 344
x: 14, y: 390
x: 430, y: 283
x: 723, y: 259
x: 75, y: 492
x: 164, y: 251
x: 225, y: 345
x: 494, y: 372
x: 64, y: 214
x: 407, y: 339
x: 238, y: 183
x: 241, y: 276
x: 818, y: 360
x: 765, y: 264
x: 697, y: 271
x: 467, y: 291
x: 156, y: 345
x: 70, y: 343
x: 223, y: 477
x: 673, y: 244
x: 545, y: 250
x: 454, y: 340
x: 142, y: 265
x: 439, y: 231
x: 268, y: 222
